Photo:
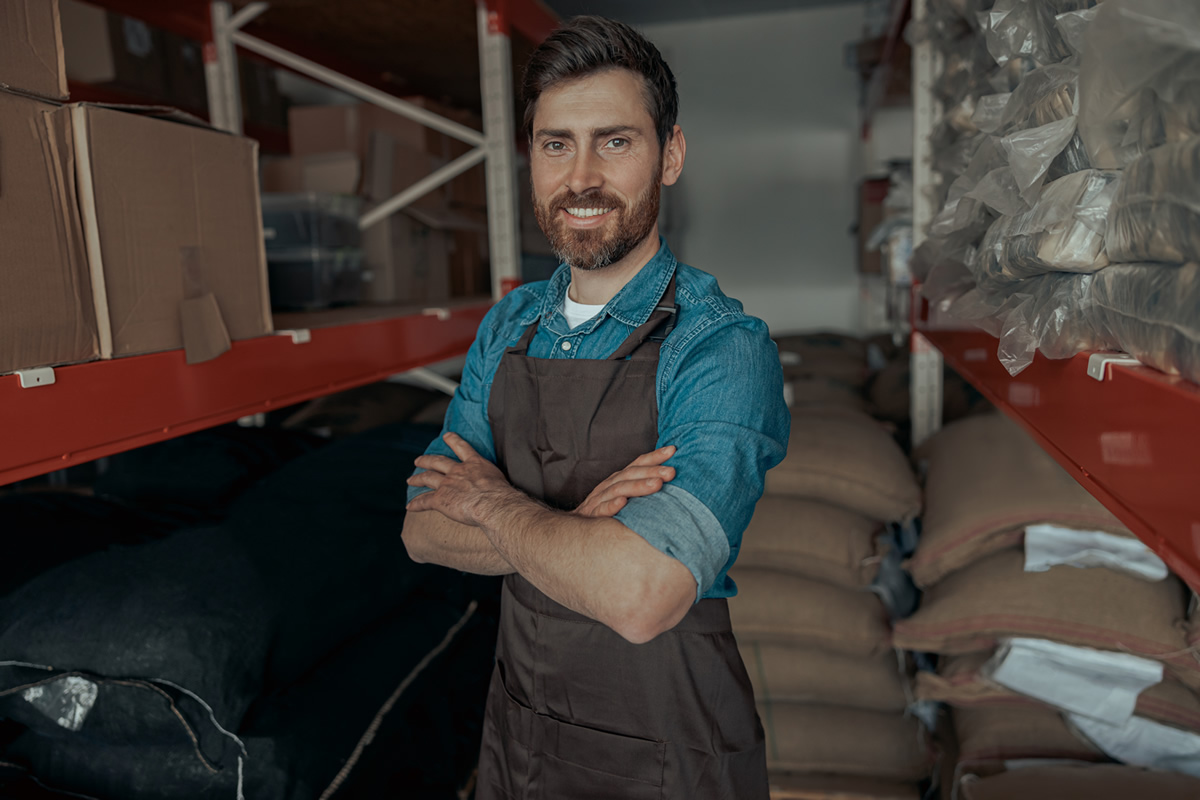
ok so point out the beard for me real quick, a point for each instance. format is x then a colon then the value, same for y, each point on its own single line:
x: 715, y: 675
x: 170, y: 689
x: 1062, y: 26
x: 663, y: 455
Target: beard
x: 603, y: 246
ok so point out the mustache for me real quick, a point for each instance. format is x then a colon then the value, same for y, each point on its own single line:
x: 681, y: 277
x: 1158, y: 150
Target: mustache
x: 589, y: 199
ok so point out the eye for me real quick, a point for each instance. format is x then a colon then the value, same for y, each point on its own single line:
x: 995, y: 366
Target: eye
x: 554, y: 147
x: 618, y: 142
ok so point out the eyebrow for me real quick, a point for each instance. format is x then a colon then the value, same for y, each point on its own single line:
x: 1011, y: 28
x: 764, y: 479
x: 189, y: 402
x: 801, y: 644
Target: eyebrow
x: 597, y: 133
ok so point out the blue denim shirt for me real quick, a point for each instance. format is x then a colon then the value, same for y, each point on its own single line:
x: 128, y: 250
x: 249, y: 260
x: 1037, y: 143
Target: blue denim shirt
x: 720, y: 402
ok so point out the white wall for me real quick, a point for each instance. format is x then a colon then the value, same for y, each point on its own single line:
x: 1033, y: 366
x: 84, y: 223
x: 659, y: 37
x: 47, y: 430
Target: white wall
x: 767, y: 199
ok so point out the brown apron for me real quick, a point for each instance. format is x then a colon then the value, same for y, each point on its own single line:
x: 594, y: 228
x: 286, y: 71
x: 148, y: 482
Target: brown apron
x: 575, y: 712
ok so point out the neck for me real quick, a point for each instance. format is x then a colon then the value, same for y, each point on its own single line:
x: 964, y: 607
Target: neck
x: 595, y: 287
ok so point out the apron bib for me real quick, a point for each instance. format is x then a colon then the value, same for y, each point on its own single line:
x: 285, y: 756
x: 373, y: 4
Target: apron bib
x: 575, y: 712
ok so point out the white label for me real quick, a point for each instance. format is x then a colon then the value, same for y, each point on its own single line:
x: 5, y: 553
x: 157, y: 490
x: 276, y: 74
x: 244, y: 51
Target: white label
x: 66, y: 700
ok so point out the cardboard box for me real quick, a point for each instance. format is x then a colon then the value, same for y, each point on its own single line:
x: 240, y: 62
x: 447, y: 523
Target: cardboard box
x: 31, y: 48
x: 352, y: 128
x: 107, y: 49
x: 187, y: 87
x: 407, y: 261
x: 46, y: 314
x: 173, y: 229
x: 470, y: 270
x: 337, y: 173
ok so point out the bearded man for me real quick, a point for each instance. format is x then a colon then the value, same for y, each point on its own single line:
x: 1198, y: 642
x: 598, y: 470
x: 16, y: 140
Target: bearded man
x: 604, y: 453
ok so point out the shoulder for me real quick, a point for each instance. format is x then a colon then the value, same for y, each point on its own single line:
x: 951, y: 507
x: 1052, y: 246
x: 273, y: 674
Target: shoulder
x: 516, y: 309
x: 706, y: 312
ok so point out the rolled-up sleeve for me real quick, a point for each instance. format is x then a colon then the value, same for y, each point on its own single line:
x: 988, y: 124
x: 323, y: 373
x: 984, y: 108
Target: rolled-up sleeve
x: 721, y: 405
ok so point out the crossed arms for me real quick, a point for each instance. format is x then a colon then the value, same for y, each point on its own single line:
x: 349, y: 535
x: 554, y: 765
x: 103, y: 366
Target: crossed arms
x: 474, y: 520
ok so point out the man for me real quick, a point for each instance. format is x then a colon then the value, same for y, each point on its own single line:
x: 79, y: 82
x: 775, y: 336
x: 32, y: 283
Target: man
x: 617, y: 675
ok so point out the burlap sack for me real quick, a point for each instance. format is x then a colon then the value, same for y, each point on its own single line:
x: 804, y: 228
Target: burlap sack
x: 847, y: 462
x: 958, y: 682
x: 970, y: 610
x: 811, y: 540
x: 1082, y: 782
x: 784, y: 674
x: 987, y: 480
x: 1025, y: 730
x: 844, y: 741
x: 849, y: 371
x: 809, y: 393
x: 772, y: 607
x: 788, y: 786
x: 822, y: 344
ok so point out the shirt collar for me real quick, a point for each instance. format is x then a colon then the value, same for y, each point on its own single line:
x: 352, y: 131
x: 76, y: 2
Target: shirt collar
x: 633, y: 305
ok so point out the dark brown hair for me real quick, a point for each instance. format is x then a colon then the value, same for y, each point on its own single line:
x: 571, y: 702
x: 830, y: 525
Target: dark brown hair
x: 587, y: 45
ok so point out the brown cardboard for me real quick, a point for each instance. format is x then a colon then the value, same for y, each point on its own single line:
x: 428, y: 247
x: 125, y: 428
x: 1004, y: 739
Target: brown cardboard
x: 107, y: 49
x: 46, y: 315
x: 31, y: 48
x: 171, y: 213
x: 409, y: 262
x: 337, y: 173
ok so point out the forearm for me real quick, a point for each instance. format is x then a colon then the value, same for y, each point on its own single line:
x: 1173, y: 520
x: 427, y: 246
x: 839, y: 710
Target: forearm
x: 594, y: 566
x: 433, y: 538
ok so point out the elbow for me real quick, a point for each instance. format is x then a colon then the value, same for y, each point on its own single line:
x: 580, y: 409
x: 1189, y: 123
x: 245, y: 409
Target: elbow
x: 414, y: 540
x: 655, y: 609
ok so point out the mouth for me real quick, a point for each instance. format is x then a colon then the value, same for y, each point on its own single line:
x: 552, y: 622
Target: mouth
x: 586, y: 213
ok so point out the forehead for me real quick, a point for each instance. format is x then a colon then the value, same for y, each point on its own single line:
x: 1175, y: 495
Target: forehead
x: 604, y: 99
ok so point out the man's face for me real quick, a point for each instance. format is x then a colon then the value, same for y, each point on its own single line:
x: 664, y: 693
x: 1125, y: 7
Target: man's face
x: 596, y: 169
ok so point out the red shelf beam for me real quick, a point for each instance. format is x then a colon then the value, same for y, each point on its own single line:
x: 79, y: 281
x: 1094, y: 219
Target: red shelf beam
x: 106, y: 407
x: 1131, y: 440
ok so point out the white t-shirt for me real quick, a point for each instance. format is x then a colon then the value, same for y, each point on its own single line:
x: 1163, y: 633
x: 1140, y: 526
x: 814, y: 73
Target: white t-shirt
x: 578, y: 313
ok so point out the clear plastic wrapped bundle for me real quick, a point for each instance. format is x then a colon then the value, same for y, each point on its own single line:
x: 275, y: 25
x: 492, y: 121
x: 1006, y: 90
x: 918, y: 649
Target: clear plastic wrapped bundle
x: 966, y: 70
x: 1051, y: 314
x: 1023, y: 29
x: 1155, y: 215
x: 1140, y: 79
x: 1063, y: 232
x: 963, y: 217
x: 1152, y: 312
x: 1040, y: 129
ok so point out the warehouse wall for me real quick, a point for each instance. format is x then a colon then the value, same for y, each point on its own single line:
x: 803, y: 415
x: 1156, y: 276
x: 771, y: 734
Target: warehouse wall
x: 767, y: 198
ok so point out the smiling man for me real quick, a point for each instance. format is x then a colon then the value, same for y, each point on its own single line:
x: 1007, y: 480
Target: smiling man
x: 604, y: 453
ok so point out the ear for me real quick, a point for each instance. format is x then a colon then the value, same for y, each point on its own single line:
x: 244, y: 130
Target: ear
x: 673, y: 155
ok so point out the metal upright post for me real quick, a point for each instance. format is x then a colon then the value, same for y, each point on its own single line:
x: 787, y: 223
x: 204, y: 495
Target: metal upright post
x: 221, y: 72
x: 926, y: 366
x: 495, y: 67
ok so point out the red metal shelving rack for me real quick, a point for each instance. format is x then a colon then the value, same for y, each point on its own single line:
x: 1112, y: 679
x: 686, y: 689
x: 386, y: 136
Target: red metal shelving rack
x: 1132, y: 439
x: 104, y: 407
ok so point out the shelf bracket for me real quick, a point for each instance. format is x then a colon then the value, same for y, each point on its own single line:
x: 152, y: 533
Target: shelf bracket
x: 442, y: 314
x: 32, y: 378
x: 299, y: 336
x: 1098, y: 364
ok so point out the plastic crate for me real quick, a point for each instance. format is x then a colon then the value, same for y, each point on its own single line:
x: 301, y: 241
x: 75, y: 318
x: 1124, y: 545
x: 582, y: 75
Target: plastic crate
x: 310, y: 219
x: 308, y: 278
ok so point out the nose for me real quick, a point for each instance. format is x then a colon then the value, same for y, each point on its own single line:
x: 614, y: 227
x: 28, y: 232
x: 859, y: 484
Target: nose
x: 585, y: 173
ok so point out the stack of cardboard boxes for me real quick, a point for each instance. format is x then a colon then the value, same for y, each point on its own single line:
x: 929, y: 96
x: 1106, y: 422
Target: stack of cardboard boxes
x: 432, y: 250
x: 122, y: 231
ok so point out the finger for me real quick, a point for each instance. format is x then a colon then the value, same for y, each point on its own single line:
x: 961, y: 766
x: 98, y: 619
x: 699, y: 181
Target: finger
x: 459, y: 445
x: 641, y: 474
x: 627, y: 489
x: 654, y: 457
x: 429, y: 479
x: 422, y: 502
x: 609, y: 508
x: 440, y: 464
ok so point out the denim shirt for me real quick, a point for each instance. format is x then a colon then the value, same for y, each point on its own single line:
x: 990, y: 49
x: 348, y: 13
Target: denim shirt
x: 720, y: 402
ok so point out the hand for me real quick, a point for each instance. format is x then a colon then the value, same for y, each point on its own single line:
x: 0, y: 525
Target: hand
x: 467, y: 490
x: 645, y: 475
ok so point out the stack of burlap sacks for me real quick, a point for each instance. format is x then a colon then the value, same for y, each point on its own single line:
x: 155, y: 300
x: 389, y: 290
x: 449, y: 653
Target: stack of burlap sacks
x: 831, y: 691
x: 986, y: 483
x: 828, y: 372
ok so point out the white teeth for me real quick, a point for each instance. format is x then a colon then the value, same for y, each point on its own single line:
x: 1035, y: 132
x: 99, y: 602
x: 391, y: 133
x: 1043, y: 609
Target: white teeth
x: 587, y: 212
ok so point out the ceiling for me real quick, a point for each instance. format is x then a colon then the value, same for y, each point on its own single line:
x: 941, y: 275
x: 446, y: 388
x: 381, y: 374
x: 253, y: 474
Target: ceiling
x: 642, y: 12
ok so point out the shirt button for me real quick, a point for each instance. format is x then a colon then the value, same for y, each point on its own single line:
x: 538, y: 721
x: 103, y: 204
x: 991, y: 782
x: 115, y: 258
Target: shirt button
x: 566, y: 345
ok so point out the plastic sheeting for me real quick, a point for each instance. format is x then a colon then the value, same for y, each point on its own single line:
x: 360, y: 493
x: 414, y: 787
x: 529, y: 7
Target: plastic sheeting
x: 1140, y: 84
x: 1156, y: 213
x: 1063, y: 232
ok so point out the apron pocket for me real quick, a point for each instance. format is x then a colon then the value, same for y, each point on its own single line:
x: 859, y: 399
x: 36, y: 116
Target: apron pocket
x: 581, y: 763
